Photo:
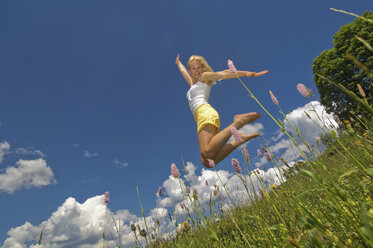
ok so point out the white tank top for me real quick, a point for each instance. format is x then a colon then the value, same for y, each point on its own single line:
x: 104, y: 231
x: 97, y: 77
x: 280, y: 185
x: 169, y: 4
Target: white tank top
x: 197, y: 95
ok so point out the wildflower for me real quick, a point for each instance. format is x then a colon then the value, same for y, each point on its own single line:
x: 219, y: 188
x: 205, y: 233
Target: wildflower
x: 174, y: 171
x: 143, y: 232
x: 362, y: 93
x: 303, y: 90
x: 274, y: 99
x: 246, y: 155
x: 259, y: 153
x: 352, y: 119
x: 264, y: 149
x: 133, y: 227
x: 207, y: 183
x: 260, y: 192
x: 188, y: 189
x: 211, y: 163
x: 236, y: 135
x: 360, y: 116
x: 283, y: 160
x: 231, y: 66
x: 273, y: 186
x: 236, y: 165
x: 365, y: 134
x: 268, y: 157
x: 347, y: 122
x: 216, y: 192
x: 195, y: 194
x: 160, y: 191
x: 106, y: 197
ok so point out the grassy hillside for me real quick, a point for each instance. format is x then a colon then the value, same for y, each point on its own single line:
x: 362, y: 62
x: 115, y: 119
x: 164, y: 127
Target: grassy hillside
x: 325, y: 202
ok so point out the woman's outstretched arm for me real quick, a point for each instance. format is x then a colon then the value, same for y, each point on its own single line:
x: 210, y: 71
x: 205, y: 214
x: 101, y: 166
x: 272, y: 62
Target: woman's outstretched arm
x: 226, y: 74
x: 183, y: 71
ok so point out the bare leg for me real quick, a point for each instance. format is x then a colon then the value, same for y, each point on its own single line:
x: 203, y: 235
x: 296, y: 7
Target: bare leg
x: 228, y: 148
x: 211, y: 142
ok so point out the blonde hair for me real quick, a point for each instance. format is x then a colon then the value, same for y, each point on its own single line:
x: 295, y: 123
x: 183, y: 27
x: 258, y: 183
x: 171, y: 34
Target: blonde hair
x: 205, y: 66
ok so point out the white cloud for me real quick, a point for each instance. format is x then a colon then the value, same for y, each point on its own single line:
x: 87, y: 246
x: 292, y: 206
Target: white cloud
x: 120, y: 164
x: 76, y: 224
x: 4, y: 149
x: 26, y: 174
x: 88, y: 154
x: 309, y: 130
x: 29, y: 151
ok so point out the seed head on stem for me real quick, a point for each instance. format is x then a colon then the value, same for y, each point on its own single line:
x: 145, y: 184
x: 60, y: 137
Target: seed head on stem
x: 231, y: 66
x: 259, y: 153
x: 106, y: 197
x: 174, y: 171
x: 247, y: 157
x: 236, y: 165
x: 236, y: 135
x: 274, y: 99
x: 303, y: 90
x: 362, y: 93
x: 268, y: 157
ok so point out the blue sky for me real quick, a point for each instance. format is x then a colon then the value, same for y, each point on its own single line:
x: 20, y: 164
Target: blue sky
x: 92, y: 101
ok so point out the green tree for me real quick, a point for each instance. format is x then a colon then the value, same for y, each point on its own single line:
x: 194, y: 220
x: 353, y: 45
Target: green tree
x: 335, y: 65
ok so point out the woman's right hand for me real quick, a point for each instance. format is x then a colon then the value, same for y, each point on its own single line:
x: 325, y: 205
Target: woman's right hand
x: 177, y: 59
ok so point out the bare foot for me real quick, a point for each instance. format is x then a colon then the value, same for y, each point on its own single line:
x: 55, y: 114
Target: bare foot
x: 243, y: 119
x: 247, y: 137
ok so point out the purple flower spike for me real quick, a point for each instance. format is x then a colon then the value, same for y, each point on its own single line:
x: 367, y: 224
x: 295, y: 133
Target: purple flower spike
x: 268, y: 157
x: 274, y: 99
x: 259, y: 153
x: 231, y: 66
x: 303, y: 90
x: 236, y: 165
x: 236, y: 135
x: 160, y: 191
x: 188, y: 189
x: 106, y: 197
x: 247, y: 157
x: 174, y: 171
x: 211, y: 163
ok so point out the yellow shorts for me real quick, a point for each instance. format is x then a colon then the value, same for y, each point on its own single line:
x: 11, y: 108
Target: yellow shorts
x: 205, y: 114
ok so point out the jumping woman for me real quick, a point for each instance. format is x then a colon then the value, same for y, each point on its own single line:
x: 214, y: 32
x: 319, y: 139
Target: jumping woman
x: 213, y: 144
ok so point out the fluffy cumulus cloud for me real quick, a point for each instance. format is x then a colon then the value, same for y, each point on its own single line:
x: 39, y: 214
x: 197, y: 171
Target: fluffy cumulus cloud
x: 76, y: 224
x: 4, y: 149
x: 26, y: 174
x: 310, y: 127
